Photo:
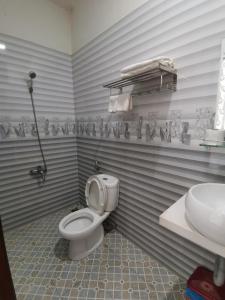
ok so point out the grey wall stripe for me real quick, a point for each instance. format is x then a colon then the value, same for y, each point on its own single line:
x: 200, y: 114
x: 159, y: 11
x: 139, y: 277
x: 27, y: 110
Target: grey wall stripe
x: 192, y: 37
x: 147, y: 189
x: 153, y: 176
x: 22, y: 199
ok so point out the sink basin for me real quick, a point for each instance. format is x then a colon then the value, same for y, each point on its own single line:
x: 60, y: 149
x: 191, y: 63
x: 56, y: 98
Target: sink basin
x: 205, y: 210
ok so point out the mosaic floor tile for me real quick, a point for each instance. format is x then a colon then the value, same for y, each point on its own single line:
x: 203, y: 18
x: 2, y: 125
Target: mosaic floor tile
x: 116, y: 270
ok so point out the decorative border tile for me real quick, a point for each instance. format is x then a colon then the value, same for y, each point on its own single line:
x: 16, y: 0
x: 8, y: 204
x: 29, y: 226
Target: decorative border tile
x: 176, y: 127
x: 25, y: 127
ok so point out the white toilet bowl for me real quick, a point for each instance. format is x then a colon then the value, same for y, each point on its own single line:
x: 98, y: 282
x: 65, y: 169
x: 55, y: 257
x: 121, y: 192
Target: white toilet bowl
x: 83, y: 228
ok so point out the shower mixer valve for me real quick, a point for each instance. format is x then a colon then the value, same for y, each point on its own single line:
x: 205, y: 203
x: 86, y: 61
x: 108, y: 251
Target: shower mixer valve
x: 39, y: 171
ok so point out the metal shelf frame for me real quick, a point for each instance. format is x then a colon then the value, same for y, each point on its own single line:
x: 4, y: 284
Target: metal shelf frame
x: 167, y: 76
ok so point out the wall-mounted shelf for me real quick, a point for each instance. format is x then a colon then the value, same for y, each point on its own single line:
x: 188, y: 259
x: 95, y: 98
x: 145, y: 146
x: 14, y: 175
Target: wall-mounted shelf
x: 215, y: 145
x: 167, y: 80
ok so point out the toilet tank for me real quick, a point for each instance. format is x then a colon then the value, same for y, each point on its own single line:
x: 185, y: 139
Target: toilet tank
x: 112, y: 186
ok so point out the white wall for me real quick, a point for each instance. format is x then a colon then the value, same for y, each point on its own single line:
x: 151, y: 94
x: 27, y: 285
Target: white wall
x: 39, y: 21
x: 48, y: 24
x: 92, y: 17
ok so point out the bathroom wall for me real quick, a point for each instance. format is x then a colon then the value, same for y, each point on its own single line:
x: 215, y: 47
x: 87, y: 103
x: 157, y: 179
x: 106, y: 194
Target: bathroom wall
x: 22, y: 198
x: 42, y: 22
x: 145, y: 148
x: 91, y: 18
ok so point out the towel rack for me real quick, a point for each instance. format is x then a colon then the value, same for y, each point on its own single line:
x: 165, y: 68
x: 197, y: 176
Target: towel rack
x: 167, y: 80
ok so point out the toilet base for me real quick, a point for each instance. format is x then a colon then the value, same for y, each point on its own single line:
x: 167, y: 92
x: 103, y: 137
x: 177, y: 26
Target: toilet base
x: 81, y: 248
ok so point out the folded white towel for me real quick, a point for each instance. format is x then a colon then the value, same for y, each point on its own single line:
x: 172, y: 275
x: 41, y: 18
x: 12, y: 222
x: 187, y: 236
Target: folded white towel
x: 122, y: 102
x: 146, y: 65
x: 112, y: 104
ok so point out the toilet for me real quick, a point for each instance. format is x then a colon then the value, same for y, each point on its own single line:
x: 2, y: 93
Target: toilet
x: 83, y: 228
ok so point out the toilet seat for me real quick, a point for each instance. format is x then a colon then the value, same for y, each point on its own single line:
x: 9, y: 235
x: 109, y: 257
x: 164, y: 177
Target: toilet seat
x: 78, y: 220
x: 96, y: 194
x: 83, y: 228
x: 75, y: 223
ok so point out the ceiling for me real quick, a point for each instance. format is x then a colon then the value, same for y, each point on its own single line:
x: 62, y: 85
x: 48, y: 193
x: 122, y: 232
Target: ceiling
x: 67, y: 4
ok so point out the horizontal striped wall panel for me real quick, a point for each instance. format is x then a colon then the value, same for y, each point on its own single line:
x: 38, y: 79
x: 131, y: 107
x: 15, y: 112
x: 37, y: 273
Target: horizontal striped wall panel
x: 190, y: 32
x: 53, y: 90
x: 22, y: 198
x: 152, y: 177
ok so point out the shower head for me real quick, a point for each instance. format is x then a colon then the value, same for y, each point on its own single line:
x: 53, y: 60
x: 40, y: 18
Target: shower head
x: 32, y: 75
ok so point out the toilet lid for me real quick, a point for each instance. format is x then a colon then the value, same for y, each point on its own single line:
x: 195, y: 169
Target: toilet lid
x: 95, y: 193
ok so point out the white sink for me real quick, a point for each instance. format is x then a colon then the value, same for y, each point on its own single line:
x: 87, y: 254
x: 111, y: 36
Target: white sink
x: 205, y: 210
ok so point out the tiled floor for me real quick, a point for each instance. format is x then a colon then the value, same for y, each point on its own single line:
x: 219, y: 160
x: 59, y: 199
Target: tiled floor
x: 116, y: 270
